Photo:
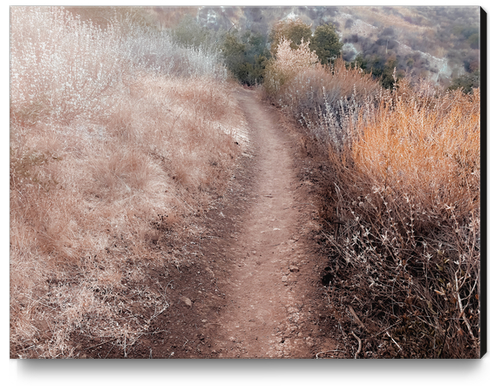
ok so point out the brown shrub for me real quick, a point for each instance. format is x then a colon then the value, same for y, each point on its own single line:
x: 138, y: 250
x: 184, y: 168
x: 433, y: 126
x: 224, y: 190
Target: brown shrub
x: 408, y: 246
x: 402, y: 208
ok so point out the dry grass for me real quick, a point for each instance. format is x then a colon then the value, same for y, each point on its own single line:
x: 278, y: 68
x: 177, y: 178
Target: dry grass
x: 401, y: 191
x: 427, y: 148
x: 375, y: 15
x: 288, y: 62
x: 407, y: 205
x: 108, y: 157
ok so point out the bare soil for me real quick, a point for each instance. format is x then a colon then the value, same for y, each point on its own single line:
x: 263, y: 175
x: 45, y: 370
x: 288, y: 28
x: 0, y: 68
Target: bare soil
x: 250, y: 286
x: 267, y: 281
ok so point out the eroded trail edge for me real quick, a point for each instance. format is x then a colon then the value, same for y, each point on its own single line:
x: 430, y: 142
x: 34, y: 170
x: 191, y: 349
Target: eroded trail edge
x: 266, y: 312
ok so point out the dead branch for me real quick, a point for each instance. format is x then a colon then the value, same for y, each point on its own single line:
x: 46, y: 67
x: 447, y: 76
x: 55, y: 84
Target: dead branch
x: 461, y: 308
x: 358, y: 321
x: 394, y: 341
x: 360, y: 345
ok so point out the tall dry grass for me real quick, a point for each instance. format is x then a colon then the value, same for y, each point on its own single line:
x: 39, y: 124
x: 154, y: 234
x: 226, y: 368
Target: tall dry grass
x: 401, y: 193
x: 118, y: 139
x: 407, y: 201
x: 428, y: 148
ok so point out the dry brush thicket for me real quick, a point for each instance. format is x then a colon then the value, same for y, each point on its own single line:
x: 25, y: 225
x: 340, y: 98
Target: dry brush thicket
x: 118, y: 138
x: 401, y: 192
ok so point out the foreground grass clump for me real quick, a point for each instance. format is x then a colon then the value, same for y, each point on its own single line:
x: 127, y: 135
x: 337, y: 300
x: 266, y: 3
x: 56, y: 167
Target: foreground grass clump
x: 119, y: 137
x: 401, y: 193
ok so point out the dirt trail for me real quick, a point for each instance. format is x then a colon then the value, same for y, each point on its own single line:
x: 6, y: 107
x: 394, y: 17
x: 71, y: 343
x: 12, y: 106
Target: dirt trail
x: 267, y: 313
x: 247, y: 281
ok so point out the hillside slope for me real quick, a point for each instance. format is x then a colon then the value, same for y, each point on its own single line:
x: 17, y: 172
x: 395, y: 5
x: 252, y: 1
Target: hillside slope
x: 439, y: 43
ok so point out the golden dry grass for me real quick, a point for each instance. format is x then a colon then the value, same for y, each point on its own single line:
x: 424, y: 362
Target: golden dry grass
x: 429, y: 150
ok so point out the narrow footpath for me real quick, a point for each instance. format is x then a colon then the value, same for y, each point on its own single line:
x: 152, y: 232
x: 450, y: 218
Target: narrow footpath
x: 264, y: 270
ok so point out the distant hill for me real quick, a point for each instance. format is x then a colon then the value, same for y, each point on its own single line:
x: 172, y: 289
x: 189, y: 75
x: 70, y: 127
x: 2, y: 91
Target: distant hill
x: 434, y: 42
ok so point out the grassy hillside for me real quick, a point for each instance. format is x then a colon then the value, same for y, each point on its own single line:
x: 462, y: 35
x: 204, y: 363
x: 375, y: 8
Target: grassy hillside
x: 118, y: 138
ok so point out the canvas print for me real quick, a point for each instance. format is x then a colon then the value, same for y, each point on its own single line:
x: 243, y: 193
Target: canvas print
x: 245, y: 182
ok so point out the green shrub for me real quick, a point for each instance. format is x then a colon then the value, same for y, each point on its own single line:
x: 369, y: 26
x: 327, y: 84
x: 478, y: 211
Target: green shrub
x: 326, y: 43
x: 295, y: 31
x: 466, y: 82
x: 380, y: 69
x: 245, y: 56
